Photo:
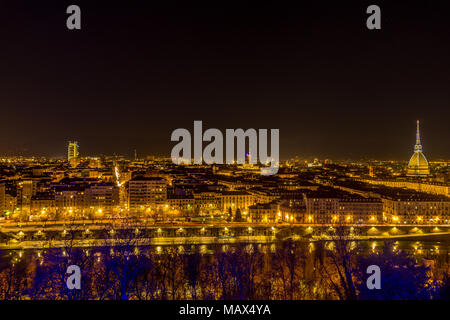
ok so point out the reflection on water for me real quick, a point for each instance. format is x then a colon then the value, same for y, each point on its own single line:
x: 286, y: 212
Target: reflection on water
x: 420, y: 249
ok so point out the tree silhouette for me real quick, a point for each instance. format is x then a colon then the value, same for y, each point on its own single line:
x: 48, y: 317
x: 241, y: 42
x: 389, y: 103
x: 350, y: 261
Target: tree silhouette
x: 238, y: 215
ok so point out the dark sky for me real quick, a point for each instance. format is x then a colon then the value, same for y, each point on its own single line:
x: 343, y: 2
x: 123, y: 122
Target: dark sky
x: 136, y: 72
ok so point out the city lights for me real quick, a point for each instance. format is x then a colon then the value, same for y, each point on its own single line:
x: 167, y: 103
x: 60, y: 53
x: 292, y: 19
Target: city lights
x: 222, y: 152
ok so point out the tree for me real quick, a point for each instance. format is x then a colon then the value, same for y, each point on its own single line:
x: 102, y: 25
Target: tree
x: 287, y: 267
x: 12, y: 282
x: 192, y: 268
x: 338, y: 263
x: 123, y: 258
x: 230, y: 214
x: 172, y: 264
x: 238, y: 216
x: 444, y: 289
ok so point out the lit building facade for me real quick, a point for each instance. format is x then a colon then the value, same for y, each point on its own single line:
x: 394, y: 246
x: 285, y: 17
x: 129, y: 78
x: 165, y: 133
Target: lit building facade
x: 342, y: 208
x: 416, y: 211
x: 433, y: 188
x: 360, y: 210
x: 102, y: 198
x: 264, y: 213
x: 236, y: 200
x: 321, y: 208
x: 146, y: 192
x: 183, y: 203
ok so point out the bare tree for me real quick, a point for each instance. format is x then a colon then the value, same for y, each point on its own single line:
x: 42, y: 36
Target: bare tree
x: 337, y: 267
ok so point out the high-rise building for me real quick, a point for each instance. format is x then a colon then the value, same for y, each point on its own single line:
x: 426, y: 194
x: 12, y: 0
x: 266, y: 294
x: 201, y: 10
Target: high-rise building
x: 418, y: 164
x: 73, y: 150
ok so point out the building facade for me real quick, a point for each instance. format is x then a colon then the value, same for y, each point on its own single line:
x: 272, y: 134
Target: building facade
x: 146, y: 192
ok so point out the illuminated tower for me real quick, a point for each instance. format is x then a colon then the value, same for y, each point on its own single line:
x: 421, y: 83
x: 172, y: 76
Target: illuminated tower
x: 72, y: 150
x: 418, y: 164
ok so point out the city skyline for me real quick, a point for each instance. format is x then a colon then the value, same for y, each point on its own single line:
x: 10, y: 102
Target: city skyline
x: 74, y: 144
x: 156, y: 219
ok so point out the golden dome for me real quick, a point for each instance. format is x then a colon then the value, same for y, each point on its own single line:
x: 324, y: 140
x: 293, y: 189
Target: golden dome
x: 418, y: 165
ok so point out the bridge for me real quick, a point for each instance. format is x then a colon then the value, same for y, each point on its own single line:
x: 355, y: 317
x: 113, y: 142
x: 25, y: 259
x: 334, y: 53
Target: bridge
x: 86, y: 233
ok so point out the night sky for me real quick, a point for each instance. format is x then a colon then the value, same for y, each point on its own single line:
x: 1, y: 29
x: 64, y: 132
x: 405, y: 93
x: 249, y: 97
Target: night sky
x: 135, y: 72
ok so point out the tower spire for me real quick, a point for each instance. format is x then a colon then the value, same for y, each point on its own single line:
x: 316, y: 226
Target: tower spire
x: 418, y: 146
